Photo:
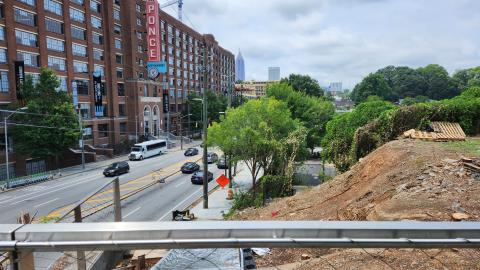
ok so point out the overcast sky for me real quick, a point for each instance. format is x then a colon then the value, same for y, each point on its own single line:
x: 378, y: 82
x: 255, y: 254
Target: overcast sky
x: 340, y: 40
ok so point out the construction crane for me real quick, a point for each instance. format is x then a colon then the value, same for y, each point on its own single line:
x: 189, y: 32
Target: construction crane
x: 173, y: 2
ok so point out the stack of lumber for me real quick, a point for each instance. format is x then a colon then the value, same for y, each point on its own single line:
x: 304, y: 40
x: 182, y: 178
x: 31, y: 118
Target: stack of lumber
x: 443, y: 131
x: 472, y: 164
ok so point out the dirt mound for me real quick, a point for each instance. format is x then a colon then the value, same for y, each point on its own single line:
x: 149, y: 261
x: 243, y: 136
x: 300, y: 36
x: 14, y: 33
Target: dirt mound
x: 402, y: 180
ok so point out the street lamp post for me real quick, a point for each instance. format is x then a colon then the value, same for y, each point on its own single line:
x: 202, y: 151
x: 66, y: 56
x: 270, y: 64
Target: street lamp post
x: 181, y: 133
x: 6, y: 144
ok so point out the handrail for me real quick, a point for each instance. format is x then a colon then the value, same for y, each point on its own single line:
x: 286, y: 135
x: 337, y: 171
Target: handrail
x: 234, y: 234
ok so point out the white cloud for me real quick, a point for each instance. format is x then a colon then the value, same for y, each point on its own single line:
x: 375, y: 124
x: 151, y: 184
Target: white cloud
x: 341, y: 40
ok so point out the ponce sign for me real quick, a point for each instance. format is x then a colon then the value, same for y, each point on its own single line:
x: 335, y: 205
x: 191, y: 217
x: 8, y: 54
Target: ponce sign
x: 153, y: 30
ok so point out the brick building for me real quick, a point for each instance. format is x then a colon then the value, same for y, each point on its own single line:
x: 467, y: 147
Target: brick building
x: 76, y: 38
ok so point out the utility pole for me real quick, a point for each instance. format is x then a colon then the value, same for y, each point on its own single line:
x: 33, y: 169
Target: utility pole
x: 229, y: 104
x: 80, y: 123
x: 205, y: 123
x: 168, y: 126
x: 136, y: 128
x: 6, y: 151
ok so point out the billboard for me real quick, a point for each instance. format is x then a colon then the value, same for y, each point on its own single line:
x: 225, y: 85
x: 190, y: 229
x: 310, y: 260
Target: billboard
x: 97, y: 90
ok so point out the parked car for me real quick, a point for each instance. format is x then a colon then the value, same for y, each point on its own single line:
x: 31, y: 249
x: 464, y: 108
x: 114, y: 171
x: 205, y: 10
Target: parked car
x: 117, y: 168
x: 212, y: 157
x: 197, y: 177
x: 221, y: 164
x: 190, y: 167
x: 191, y: 152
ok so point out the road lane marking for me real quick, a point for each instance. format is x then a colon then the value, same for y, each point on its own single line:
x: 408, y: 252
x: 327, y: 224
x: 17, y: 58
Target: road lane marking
x: 181, y: 183
x: 176, y: 206
x: 132, y: 212
x: 38, y: 205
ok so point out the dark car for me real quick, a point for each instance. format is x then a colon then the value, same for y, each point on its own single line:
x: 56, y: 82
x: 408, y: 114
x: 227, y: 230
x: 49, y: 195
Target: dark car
x: 221, y: 164
x: 197, y: 177
x: 190, y: 167
x: 212, y: 158
x: 191, y: 152
x: 117, y: 168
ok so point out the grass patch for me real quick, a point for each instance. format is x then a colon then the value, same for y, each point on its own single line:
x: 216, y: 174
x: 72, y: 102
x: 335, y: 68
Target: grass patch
x: 470, y: 146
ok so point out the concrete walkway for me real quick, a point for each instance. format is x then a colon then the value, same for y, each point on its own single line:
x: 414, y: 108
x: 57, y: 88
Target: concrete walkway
x: 218, y: 205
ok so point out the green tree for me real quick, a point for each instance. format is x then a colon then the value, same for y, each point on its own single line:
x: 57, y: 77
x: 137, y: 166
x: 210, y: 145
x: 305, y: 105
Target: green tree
x: 372, y: 85
x: 194, y: 106
x: 338, y: 140
x: 304, y: 83
x: 313, y: 112
x: 403, y: 82
x: 254, y: 132
x: 438, y: 84
x: 51, y: 125
x: 466, y: 78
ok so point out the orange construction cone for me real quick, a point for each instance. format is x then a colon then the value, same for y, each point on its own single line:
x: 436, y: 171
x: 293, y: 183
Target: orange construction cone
x: 230, y: 194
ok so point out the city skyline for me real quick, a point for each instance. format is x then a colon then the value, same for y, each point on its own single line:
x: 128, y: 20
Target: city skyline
x: 342, y: 40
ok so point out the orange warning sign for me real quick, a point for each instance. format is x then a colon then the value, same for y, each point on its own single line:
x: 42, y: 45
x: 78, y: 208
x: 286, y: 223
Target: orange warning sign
x: 222, y: 180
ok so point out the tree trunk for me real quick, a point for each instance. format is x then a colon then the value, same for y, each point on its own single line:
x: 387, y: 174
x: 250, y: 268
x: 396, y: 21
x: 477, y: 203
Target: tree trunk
x: 254, y: 169
x: 57, y: 161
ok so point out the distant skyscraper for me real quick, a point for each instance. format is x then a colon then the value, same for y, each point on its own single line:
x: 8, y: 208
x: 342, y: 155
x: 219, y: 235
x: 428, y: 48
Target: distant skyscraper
x: 239, y: 67
x: 274, y: 74
x: 335, y: 87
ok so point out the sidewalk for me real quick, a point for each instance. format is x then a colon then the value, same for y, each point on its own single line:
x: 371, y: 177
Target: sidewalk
x: 218, y: 205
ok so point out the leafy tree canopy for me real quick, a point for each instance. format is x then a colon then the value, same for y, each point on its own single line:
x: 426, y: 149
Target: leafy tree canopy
x: 373, y: 85
x: 304, y: 83
x: 52, y: 125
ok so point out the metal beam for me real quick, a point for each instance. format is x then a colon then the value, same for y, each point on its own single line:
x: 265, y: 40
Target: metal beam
x: 233, y: 234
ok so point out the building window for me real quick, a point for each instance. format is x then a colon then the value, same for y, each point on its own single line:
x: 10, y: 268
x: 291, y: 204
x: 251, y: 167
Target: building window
x: 95, y: 6
x: 2, y: 32
x: 100, y: 69
x: 138, y: 8
x: 82, y: 87
x: 77, y: 15
x: 102, y: 130
x: 117, y: 29
x: 139, y: 22
x: 87, y: 133
x: 118, y: 59
x: 116, y: 14
x: 118, y: 44
x: 97, y: 38
x: 96, y: 22
x: 54, y: 26
x: 140, y: 48
x: 63, y: 84
x: 85, y: 110
x: 80, y: 67
x: 3, y: 81
x: 123, y: 128
x: 120, y: 73
x: 56, y: 63
x: 79, y: 50
x: 53, y: 6
x: 78, y: 2
x: 55, y: 44
x: 122, y: 110
x: 98, y: 55
x: 29, y: 59
x: 24, y: 17
x: 28, y: 2
x: 3, y: 55
x: 78, y: 33
x: 121, y: 89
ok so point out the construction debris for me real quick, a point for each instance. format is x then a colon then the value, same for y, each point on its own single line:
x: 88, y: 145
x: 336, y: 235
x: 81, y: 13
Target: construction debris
x: 460, y: 216
x: 442, y: 131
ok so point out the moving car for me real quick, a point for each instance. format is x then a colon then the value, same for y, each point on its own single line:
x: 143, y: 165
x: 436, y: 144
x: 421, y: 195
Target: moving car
x: 117, y: 168
x: 191, y: 152
x: 212, y: 157
x: 221, y: 164
x: 190, y: 167
x: 197, y: 177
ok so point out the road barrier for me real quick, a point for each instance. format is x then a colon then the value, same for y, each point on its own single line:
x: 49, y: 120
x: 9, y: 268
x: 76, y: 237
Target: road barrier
x: 28, y: 180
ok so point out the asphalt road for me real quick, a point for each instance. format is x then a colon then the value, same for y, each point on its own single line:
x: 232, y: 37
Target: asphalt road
x: 152, y: 204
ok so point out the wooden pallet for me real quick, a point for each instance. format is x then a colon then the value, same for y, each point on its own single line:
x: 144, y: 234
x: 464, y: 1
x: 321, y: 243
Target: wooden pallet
x: 444, y: 131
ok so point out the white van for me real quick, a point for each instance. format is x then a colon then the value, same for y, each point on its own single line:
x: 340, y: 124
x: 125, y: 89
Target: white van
x: 147, y: 149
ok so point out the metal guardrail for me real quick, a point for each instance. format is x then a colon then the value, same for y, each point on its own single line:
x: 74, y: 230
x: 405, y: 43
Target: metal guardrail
x: 28, y: 179
x: 237, y: 234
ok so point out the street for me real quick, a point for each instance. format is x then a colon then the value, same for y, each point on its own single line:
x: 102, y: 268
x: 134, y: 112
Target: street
x: 152, y: 204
